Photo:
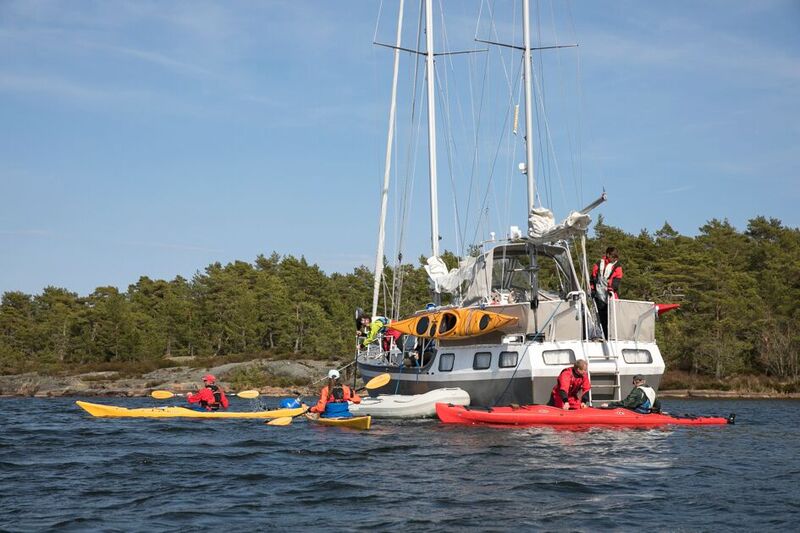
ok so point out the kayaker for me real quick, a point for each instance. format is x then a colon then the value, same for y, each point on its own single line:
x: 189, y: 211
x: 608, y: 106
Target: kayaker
x: 333, y: 398
x: 604, y: 282
x: 211, y: 397
x: 641, y: 399
x: 571, y: 387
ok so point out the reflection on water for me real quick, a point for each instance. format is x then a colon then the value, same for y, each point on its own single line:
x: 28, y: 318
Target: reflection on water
x: 60, y: 468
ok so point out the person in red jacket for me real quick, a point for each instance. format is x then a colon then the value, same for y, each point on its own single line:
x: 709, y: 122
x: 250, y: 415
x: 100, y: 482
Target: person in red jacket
x: 333, y: 398
x: 571, y: 387
x: 604, y: 282
x: 211, y: 397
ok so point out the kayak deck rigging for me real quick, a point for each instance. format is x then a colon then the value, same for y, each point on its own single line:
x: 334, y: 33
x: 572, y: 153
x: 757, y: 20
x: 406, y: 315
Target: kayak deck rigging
x: 543, y: 415
x: 111, y: 411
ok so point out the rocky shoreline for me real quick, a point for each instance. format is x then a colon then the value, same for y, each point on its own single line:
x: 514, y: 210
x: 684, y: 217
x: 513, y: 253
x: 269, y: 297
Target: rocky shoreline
x: 181, y: 379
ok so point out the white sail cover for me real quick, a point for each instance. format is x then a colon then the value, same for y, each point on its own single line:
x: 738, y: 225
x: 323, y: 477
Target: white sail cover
x: 543, y: 228
x: 472, y: 278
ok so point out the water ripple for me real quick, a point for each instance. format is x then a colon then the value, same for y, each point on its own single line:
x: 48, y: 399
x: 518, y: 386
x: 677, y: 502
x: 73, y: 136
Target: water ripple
x: 62, y: 469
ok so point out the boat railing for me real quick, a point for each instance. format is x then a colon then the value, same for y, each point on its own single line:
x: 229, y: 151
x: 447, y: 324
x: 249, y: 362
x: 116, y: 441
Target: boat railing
x: 374, y: 354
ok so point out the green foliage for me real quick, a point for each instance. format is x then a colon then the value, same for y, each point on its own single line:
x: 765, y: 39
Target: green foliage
x: 738, y: 292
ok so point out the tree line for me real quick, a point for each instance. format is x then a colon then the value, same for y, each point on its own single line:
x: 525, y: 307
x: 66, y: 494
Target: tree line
x: 739, y: 294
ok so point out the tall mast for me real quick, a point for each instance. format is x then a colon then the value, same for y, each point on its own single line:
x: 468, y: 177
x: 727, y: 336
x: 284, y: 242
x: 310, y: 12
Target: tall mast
x: 387, y: 168
x: 526, y: 29
x: 431, y: 126
x: 533, y: 272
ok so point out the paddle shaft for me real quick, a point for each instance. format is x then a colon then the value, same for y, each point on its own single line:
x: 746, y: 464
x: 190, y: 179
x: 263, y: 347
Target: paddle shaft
x: 166, y: 395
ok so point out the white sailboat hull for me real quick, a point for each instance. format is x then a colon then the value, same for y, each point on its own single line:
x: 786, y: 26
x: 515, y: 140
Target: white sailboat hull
x: 409, y: 406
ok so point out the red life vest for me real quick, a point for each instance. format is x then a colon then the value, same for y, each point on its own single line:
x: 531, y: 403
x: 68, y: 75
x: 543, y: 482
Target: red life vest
x: 571, y: 384
x: 605, y: 279
x: 340, y: 393
x: 211, y: 397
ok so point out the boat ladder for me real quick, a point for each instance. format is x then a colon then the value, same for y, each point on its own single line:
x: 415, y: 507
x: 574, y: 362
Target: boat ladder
x: 616, y: 386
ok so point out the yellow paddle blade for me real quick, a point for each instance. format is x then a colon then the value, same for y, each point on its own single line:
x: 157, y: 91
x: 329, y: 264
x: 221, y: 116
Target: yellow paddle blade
x: 282, y: 421
x: 161, y: 394
x: 378, y: 381
x: 248, y: 394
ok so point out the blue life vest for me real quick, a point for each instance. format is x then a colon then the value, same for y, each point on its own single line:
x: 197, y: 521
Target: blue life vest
x: 337, y: 410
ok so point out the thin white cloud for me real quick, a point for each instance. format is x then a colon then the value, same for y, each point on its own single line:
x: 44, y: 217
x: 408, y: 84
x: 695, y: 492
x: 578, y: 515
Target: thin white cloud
x: 64, y: 88
x: 683, y: 188
x: 700, y: 48
x: 163, y: 60
x: 172, y: 246
x: 26, y: 232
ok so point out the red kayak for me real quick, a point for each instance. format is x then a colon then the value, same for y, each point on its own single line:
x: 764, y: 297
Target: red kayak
x: 543, y: 415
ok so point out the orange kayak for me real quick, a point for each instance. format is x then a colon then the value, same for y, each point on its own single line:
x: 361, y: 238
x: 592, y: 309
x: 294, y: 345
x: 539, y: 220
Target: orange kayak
x: 456, y: 323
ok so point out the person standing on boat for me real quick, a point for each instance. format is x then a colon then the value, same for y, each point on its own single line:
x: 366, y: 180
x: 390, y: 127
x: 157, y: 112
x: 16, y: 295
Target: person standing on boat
x: 334, y: 398
x: 604, y: 283
x: 379, y: 325
x: 211, y: 397
x: 572, y: 387
x: 641, y: 399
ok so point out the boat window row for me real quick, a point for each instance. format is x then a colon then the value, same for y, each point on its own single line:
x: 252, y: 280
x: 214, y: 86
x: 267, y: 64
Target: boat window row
x: 567, y: 357
x: 480, y: 361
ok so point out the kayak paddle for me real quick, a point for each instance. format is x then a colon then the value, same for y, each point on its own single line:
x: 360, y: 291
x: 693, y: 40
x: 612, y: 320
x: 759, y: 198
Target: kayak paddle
x: 377, y: 382
x: 282, y: 421
x: 166, y: 395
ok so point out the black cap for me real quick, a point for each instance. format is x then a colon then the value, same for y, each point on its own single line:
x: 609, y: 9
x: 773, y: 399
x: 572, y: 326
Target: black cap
x: 638, y: 377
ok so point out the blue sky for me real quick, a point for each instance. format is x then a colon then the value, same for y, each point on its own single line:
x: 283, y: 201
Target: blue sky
x: 153, y: 138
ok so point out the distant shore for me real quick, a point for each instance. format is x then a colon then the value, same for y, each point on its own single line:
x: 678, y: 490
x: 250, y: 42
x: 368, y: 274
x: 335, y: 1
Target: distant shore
x: 286, y: 379
x: 726, y: 394
x: 270, y: 378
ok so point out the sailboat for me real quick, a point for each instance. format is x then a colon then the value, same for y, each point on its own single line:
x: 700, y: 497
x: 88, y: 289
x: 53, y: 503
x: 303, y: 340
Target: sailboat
x: 526, y: 286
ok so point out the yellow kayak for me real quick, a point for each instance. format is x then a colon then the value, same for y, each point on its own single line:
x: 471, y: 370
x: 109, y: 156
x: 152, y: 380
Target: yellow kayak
x: 456, y: 323
x: 355, y: 422
x: 110, y: 411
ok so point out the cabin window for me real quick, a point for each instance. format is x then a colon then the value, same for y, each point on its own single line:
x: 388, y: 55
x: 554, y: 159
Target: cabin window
x: 446, y: 361
x: 482, y: 361
x: 558, y: 357
x: 511, y: 276
x: 637, y: 356
x: 508, y: 359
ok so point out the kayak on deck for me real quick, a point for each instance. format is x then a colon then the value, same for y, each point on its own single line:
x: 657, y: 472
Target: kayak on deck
x: 354, y: 422
x: 409, y: 406
x: 543, y: 415
x: 110, y: 411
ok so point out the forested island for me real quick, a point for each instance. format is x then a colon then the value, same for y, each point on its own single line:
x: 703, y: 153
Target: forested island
x: 737, y: 328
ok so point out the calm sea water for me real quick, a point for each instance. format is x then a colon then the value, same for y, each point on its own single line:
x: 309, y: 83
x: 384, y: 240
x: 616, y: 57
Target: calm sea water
x: 62, y: 469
